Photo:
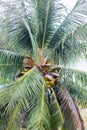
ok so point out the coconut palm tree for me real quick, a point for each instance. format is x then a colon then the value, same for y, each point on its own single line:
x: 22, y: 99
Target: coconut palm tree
x: 40, y: 39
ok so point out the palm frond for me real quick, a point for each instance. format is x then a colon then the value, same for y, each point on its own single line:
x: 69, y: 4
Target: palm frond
x: 17, y: 34
x: 39, y: 117
x: 78, y: 92
x: 14, y: 117
x: 7, y: 54
x: 10, y: 64
x: 75, y: 81
x: 48, y: 20
x: 74, y: 45
x: 33, y: 41
x: 17, y: 89
x: 65, y: 38
x: 78, y: 76
x: 55, y: 110
x: 73, y: 119
x: 72, y: 21
x: 41, y: 20
x: 3, y: 118
x: 20, y: 95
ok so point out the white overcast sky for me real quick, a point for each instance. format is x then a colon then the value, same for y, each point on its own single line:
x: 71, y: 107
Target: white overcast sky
x: 68, y: 3
x: 82, y: 65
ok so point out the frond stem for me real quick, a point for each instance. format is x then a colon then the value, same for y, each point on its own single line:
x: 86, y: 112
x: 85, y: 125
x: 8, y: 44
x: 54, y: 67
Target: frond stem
x: 45, y: 27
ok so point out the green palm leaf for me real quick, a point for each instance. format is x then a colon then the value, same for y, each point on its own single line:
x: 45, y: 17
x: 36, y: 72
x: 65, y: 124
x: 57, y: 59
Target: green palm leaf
x: 20, y: 94
x: 47, y: 19
x: 39, y: 118
x: 14, y: 120
x: 78, y: 42
x: 65, y: 38
x: 10, y: 62
x: 76, y: 81
x: 55, y: 110
x: 78, y: 92
x: 71, y: 72
x: 41, y: 21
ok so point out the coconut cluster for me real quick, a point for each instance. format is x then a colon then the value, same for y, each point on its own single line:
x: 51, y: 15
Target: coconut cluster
x: 50, y: 75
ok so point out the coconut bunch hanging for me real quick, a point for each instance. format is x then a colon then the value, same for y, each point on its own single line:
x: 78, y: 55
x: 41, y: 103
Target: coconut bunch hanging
x: 49, y: 73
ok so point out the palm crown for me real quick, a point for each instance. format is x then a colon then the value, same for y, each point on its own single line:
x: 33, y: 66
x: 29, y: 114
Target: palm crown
x: 38, y: 37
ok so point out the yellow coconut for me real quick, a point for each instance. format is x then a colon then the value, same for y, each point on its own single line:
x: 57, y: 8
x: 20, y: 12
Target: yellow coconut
x: 51, y: 82
x: 49, y: 86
